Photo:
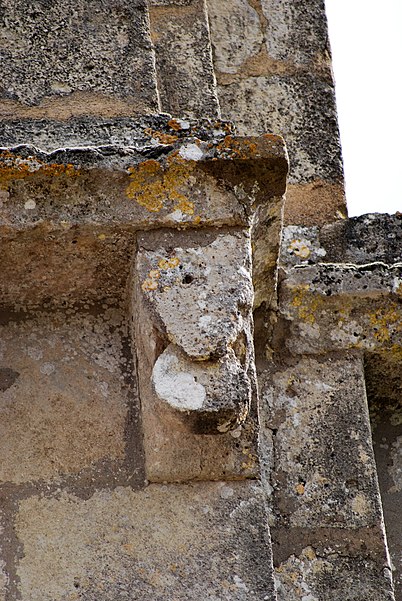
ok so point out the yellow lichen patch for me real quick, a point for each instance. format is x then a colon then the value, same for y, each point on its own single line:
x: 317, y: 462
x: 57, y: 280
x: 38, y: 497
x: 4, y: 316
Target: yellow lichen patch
x: 169, y: 263
x: 151, y: 282
x: 146, y: 185
x: 300, y: 489
x: 185, y: 206
x: 151, y: 186
x: 383, y: 321
x: 13, y: 167
x: 299, y: 248
x: 306, y: 304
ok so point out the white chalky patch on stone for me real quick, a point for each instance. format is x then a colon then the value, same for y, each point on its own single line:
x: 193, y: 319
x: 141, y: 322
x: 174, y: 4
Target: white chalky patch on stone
x: 47, y: 368
x: 191, y: 152
x: 178, y: 388
x: 29, y: 205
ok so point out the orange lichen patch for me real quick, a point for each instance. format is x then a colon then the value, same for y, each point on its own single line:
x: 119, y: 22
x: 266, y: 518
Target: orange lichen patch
x: 161, y: 136
x: 13, y: 167
x: 169, y: 263
x: 173, y: 124
x: 300, y: 489
x: 152, y: 186
x: 251, y: 147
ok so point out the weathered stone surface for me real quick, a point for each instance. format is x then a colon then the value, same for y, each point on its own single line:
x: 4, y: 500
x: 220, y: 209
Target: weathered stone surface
x: 300, y: 108
x: 309, y: 577
x: 371, y: 238
x: 324, y: 473
x: 94, y: 48
x: 172, y: 452
x: 315, y: 203
x: 65, y: 396
x: 204, y: 541
x: 384, y: 392
x: 339, y: 306
x: 169, y: 181
x: 364, y: 239
x: 186, y: 82
x: 334, y: 294
x: 201, y: 294
x: 296, y: 31
x: 212, y: 397
x: 235, y: 33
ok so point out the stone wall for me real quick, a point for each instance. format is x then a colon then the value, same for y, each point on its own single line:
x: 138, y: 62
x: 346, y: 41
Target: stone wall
x: 187, y: 392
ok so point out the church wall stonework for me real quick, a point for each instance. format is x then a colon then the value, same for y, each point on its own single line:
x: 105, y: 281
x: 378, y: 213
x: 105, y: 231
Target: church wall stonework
x: 200, y: 390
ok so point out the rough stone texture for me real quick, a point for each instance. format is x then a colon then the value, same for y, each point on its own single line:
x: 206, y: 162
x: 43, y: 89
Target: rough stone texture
x: 170, y: 181
x: 326, y: 516
x: 92, y: 50
x: 213, y: 322
x: 315, y: 203
x: 329, y: 304
x: 200, y: 392
x: 296, y: 31
x: 66, y: 395
x: 384, y: 391
x: 300, y: 108
x: 235, y: 31
x: 186, y: 81
x: 204, y: 541
x: 309, y: 577
x: 201, y: 294
x: 272, y: 65
x: 324, y: 473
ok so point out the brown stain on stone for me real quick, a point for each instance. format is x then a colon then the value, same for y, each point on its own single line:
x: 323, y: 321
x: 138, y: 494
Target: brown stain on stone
x: 76, y: 104
x: 314, y: 203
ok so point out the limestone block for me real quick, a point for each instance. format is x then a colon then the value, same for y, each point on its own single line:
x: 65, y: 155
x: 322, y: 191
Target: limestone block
x: 364, y: 239
x: 212, y: 397
x: 296, y: 31
x: 200, y: 541
x: 324, y: 474
x: 66, y: 397
x: 372, y: 238
x: 81, y: 51
x: 235, y: 33
x: 186, y: 82
x: 312, y: 577
x: 202, y: 295
x: 336, y: 306
x: 301, y: 108
x: 210, y: 336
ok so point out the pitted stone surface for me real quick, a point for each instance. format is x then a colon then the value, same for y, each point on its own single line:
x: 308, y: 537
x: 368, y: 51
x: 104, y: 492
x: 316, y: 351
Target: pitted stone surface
x: 296, y: 31
x: 309, y: 577
x: 62, y: 48
x: 235, y: 32
x: 204, y: 541
x: 201, y: 295
x: 213, y: 396
x: 186, y: 81
x: 324, y: 473
x: 300, y: 108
